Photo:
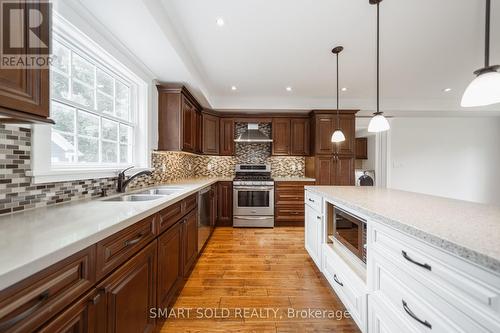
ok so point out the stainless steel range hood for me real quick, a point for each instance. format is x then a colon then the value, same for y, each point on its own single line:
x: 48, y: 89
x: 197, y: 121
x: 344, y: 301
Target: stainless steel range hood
x: 253, y: 135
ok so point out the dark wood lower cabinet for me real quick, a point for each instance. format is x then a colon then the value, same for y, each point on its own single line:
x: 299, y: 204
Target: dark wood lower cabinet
x: 128, y: 294
x: 225, y: 204
x: 170, y: 265
x: 289, y: 203
x: 190, y: 241
x: 331, y: 170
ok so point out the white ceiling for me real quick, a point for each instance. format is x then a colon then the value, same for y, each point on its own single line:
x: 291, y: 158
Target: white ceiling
x: 267, y: 45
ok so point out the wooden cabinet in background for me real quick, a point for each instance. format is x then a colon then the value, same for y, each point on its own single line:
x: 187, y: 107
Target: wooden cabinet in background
x: 325, y: 123
x: 347, y: 122
x: 281, y: 136
x: 210, y: 130
x: 128, y: 294
x: 331, y: 170
x: 300, y: 136
x: 189, y: 241
x: 361, y: 148
x: 179, y: 120
x: 226, y: 138
x: 24, y: 93
x: 199, y: 132
x: 225, y: 203
x: 289, y: 203
x: 323, y: 130
x: 170, y: 265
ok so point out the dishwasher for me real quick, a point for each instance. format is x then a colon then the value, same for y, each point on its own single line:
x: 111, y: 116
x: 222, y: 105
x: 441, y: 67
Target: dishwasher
x: 205, y: 224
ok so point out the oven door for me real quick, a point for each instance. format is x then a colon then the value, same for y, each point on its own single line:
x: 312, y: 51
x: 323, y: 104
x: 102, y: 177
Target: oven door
x: 253, y: 201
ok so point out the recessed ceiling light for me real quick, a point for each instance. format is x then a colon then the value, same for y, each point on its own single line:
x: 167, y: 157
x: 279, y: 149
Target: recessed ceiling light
x: 447, y: 89
x: 220, y: 22
x: 233, y: 88
x: 289, y: 89
x: 344, y: 89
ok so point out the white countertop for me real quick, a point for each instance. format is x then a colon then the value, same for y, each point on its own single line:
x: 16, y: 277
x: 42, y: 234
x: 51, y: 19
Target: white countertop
x: 33, y: 240
x: 294, y: 179
x: 469, y: 230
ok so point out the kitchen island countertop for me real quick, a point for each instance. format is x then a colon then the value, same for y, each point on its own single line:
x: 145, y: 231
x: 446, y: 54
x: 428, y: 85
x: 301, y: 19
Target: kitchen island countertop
x: 466, y: 229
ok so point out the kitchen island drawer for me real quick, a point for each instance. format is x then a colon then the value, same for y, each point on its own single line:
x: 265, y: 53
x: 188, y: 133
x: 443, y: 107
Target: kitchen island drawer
x: 314, y: 201
x: 118, y: 248
x: 451, y: 277
x: 30, y: 303
x: 421, y: 308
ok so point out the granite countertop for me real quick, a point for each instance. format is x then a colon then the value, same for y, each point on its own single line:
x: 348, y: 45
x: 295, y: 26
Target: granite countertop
x: 468, y: 230
x: 33, y: 240
x: 294, y: 179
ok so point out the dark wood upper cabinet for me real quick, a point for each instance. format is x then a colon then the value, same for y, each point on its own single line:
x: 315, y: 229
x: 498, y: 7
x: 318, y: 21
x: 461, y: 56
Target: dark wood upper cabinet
x: 323, y: 130
x: 199, y: 132
x: 281, y: 136
x: 225, y: 203
x: 170, y: 265
x: 325, y: 123
x: 179, y: 120
x: 210, y: 130
x: 24, y: 92
x: 128, y: 294
x: 300, y: 136
x: 347, y: 122
x: 226, y: 143
x: 189, y: 241
x: 361, y: 148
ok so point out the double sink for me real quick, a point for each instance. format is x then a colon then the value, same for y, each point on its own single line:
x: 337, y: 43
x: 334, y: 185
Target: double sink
x: 147, y: 195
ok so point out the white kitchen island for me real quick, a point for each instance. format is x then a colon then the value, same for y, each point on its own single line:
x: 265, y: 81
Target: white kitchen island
x: 432, y: 264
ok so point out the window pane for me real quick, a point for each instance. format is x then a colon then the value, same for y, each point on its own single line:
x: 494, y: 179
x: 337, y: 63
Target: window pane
x: 88, y: 150
x: 109, y: 130
x: 64, y: 118
x: 83, y: 94
x: 62, y: 148
x: 125, y: 154
x: 104, y: 103
x: 59, y: 85
x: 104, y: 83
x: 109, y: 152
x: 60, y: 57
x: 125, y: 134
x: 83, y: 70
x: 88, y: 124
x: 122, y: 101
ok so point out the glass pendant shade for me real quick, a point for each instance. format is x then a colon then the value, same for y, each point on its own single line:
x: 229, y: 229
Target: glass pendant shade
x: 378, y: 124
x: 338, y: 136
x: 483, y: 90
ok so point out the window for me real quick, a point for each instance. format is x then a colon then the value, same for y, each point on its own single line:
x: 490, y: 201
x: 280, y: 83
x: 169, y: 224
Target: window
x: 93, y: 110
x: 100, y: 108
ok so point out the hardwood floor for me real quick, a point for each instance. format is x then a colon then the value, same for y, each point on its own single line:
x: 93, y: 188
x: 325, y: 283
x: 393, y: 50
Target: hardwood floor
x: 268, y: 274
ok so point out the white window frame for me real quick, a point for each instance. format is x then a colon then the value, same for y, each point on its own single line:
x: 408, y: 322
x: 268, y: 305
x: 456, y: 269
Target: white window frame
x: 43, y: 170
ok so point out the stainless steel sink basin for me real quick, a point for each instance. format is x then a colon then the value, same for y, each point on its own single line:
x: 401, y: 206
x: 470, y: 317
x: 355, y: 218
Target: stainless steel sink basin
x: 135, y: 197
x: 162, y: 191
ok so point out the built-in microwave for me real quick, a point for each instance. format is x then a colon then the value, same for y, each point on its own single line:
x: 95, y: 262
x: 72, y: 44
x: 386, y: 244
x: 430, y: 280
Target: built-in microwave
x: 350, y: 231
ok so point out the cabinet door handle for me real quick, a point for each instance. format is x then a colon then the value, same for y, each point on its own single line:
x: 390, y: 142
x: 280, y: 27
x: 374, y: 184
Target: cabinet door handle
x: 337, y: 280
x: 318, y: 217
x: 134, y: 241
x: 426, y: 266
x: 414, y: 316
x: 25, y: 314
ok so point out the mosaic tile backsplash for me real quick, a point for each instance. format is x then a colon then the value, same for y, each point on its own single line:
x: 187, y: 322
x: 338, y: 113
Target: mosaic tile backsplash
x: 18, y: 193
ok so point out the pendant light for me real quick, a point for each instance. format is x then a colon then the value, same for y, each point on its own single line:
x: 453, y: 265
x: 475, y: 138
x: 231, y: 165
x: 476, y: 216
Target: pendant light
x: 378, y: 123
x: 485, y: 88
x: 338, y: 135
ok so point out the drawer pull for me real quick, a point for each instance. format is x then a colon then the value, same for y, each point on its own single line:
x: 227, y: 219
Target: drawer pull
x: 414, y: 316
x: 134, y: 241
x: 318, y: 217
x: 311, y: 200
x: 426, y: 266
x: 11, y: 322
x: 337, y: 280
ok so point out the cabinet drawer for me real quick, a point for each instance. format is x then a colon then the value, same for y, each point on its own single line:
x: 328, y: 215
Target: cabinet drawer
x: 27, y: 305
x: 189, y: 203
x: 444, y: 273
x: 291, y: 213
x: 314, y: 201
x: 116, y: 249
x: 421, y: 308
x: 169, y: 216
x: 289, y: 197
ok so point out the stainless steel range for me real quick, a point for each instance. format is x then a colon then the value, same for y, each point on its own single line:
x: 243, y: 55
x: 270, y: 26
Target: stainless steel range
x: 253, y: 191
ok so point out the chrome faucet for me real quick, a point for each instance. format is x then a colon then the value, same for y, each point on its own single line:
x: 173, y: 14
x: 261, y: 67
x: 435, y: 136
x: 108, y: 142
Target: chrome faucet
x: 122, y: 183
